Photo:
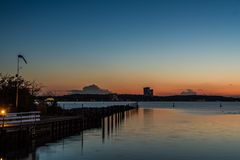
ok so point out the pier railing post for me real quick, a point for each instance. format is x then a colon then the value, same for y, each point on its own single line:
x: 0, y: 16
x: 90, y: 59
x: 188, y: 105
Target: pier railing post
x: 3, y: 122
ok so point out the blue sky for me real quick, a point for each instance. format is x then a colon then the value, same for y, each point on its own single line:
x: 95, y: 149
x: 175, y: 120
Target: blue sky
x: 170, y: 44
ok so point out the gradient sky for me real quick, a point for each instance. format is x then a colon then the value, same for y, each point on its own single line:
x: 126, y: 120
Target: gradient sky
x: 124, y: 45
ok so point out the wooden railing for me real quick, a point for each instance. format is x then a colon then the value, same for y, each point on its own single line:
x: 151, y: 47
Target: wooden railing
x: 19, y: 118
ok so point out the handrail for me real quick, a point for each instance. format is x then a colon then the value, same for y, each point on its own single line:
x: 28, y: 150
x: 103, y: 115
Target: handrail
x: 20, y: 117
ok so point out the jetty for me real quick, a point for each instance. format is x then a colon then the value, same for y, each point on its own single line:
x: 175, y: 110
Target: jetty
x: 41, y: 129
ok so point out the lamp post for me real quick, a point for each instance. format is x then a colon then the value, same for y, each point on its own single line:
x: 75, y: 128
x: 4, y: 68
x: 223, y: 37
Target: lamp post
x: 18, y: 68
x: 3, y: 112
x: 17, y: 82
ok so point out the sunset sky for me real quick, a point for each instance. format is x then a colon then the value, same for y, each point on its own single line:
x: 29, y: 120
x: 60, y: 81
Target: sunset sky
x: 124, y: 45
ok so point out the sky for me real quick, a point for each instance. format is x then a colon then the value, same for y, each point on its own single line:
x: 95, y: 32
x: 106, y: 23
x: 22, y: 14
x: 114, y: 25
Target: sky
x: 124, y: 45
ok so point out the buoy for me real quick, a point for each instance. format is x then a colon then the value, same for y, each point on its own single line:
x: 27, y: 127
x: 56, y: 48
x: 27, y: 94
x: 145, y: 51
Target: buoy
x: 220, y: 105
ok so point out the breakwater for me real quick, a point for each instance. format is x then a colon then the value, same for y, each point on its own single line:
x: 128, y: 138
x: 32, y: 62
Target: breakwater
x: 51, y: 128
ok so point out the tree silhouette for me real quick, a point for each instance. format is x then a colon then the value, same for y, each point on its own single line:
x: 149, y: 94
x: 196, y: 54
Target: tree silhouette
x: 27, y: 92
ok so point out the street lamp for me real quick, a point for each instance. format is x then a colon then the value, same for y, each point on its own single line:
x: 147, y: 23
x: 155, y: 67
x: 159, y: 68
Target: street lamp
x: 3, y: 112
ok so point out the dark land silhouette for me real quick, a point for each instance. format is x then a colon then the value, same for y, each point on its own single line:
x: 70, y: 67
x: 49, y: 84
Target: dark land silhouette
x: 132, y: 97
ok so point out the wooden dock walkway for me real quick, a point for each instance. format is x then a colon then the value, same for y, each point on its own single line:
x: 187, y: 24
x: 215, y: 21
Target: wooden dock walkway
x: 55, y: 127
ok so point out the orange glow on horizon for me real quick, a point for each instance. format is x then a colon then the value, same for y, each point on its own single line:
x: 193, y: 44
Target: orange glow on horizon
x: 158, y: 91
x: 164, y: 84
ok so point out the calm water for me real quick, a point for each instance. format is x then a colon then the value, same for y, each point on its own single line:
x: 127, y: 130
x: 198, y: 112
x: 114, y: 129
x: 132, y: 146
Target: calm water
x: 193, y: 131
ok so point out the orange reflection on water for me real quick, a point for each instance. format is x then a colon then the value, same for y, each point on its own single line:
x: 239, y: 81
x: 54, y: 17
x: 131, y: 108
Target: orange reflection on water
x: 179, y: 125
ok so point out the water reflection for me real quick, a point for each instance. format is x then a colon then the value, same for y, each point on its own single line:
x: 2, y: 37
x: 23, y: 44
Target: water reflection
x: 150, y: 134
x: 108, y: 126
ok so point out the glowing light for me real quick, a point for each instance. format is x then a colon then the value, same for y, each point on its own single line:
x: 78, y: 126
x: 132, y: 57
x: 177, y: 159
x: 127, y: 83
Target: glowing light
x: 3, y: 112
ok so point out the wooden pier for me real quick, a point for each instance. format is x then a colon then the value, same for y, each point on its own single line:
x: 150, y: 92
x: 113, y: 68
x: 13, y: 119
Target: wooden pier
x: 56, y: 127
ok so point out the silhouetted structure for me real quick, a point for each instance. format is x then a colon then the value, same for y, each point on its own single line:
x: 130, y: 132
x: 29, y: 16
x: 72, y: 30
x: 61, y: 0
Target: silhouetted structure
x: 147, y: 91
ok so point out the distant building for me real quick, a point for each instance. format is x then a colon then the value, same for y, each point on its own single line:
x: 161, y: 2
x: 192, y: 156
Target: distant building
x: 147, y: 91
x: 114, y: 97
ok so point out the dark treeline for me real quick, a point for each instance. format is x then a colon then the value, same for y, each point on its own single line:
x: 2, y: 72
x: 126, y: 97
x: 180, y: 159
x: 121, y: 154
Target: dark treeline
x: 129, y: 97
x: 27, y: 92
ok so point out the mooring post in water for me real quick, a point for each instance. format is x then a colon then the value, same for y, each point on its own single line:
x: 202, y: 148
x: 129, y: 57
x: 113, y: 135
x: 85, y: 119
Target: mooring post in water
x: 117, y: 122
x: 119, y: 117
x: 112, y: 123
x: 108, y: 125
x: 115, y: 119
x: 103, y: 129
x: 82, y: 118
x: 82, y: 142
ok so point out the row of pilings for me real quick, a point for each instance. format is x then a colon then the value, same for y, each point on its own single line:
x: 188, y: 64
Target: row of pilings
x: 53, y: 128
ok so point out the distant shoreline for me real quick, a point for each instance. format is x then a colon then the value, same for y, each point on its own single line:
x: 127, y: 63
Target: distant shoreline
x: 141, y: 98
